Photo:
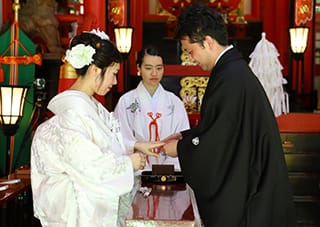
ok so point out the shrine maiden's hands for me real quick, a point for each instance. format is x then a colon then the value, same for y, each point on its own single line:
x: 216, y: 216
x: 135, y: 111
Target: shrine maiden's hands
x: 148, y: 147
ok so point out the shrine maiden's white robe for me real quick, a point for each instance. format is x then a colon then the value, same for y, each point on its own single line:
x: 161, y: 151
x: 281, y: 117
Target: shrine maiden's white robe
x: 136, y: 124
x: 78, y: 167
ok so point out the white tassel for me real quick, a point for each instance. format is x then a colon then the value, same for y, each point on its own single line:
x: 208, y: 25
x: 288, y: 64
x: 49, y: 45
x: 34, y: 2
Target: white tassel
x: 266, y: 66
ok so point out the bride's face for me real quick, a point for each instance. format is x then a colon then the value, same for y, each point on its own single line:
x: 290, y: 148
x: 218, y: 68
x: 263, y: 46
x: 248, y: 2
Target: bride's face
x: 108, y: 80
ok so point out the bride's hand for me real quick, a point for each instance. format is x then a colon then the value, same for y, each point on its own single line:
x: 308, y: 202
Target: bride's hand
x: 138, y: 160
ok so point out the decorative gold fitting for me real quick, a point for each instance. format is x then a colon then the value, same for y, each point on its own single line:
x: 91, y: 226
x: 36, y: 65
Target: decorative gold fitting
x: 116, y: 10
x: 163, y: 178
x: 287, y: 144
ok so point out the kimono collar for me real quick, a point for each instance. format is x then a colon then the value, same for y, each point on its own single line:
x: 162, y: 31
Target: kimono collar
x: 228, y: 56
x: 225, y: 50
x: 86, y: 105
x: 151, y: 102
x: 73, y: 100
x: 142, y: 90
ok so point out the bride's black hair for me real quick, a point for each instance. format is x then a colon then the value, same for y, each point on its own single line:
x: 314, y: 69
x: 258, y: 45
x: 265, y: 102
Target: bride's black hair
x: 106, y: 52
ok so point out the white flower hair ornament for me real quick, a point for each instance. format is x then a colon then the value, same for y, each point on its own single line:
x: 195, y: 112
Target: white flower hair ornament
x: 80, y: 55
x: 99, y: 33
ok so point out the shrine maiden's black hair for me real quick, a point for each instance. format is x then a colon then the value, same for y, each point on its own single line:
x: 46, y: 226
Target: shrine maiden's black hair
x: 149, y: 50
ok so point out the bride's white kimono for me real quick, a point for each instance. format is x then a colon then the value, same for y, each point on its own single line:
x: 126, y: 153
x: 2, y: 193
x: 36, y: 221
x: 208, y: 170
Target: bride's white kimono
x: 78, y: 167
x: 168, y: 116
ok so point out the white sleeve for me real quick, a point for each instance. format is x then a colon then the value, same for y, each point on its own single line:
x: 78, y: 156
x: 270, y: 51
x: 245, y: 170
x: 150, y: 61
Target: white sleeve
x: 64, y: 160
x: 121, y: 114
x: 98, y: 170
x: 59, y: 150
x: 180, y: 115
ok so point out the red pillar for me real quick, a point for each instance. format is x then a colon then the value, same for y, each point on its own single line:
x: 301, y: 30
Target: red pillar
x: 277, y: 33
x: 137, y: 12
x: 7, y: 14
x: 99, y: 9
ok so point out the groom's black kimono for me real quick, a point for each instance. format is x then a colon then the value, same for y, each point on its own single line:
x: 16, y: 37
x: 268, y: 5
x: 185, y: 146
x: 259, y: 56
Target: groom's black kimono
x: 234, y: 160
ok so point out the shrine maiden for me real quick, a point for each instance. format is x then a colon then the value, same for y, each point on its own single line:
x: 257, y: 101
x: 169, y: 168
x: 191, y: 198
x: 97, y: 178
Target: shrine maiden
x: 149, y: 112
